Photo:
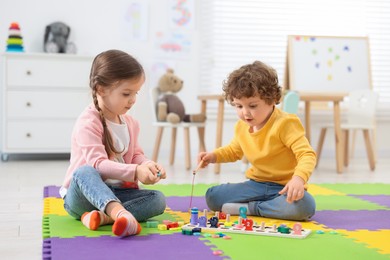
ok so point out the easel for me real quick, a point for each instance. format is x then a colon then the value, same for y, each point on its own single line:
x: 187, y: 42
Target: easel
x: 295, y: 81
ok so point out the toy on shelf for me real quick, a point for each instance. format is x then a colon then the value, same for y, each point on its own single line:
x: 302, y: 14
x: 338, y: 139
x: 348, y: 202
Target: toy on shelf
x: 15, y: 39
x: 56, y: 39
x: 242, y: 226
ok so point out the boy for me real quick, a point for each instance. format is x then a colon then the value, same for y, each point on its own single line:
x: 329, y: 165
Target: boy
x: 275, y: 145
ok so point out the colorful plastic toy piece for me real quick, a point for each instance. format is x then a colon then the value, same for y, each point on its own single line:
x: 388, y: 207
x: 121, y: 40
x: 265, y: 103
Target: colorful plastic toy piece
x: 186, y: 232
x: 284, y: 229
x: 248, y: 224
x: 243, y: 211
x: 194, y: 216
x: 15, y: 39
x: 202, y: 221
x: 297, y: 229
x: 162, y: 227
x: 217, y: 252
x: 222, y: 215
x: 213, y: 222
x: 172, y: 225
x: 151, y: 224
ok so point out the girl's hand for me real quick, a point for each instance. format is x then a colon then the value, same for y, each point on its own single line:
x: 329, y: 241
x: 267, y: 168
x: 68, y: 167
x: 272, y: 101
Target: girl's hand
x: 207, y: 158
x: 150, y: 173
x: 160, y: 171
x: 294, y: 188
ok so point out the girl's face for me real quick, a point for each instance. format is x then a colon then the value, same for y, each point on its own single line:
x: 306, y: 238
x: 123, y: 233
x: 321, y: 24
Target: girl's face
x: 253, y: 111
x: 119, y: 98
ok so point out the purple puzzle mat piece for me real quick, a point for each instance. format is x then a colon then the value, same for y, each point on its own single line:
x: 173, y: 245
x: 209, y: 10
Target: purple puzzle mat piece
x: 383, y: 200
x: 177, y: 246
x: 354, y: 219
x: 51, y: 191
x: 183, y: 203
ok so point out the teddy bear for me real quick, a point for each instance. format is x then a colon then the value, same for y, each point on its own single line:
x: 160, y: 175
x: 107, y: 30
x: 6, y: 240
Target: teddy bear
x: 56, y: 39
x: 169, y: 106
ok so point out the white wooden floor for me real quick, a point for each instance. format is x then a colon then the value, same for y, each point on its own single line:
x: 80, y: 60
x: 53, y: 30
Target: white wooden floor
x: 22, y: 182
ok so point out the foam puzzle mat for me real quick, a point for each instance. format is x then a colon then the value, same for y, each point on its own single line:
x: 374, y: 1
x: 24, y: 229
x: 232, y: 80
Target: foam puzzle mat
x: 352, y: 221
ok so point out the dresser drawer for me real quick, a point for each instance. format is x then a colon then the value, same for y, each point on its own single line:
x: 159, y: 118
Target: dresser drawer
x: 46, y: 72
x: 46, y: 104
x: 42, y: 136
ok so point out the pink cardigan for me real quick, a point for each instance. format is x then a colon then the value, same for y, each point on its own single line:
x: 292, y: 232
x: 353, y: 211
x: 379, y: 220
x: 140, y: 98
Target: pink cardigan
x: 88, y: 149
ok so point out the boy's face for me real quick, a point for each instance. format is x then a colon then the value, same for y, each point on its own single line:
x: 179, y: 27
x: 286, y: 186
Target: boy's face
x: 253, y: 111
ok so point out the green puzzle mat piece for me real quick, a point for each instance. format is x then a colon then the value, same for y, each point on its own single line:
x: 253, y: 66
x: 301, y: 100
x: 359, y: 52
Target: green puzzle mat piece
x: 334, y: 202
x: 359, y: 188
x: 316, y: 246
x: 180, y: 189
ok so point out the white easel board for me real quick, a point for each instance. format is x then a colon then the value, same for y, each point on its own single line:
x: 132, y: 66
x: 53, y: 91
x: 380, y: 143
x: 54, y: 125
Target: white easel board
x: 327, y: 64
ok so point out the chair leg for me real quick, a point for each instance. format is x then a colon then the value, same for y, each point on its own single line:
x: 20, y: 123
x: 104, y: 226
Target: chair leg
x: 346, y: 146
x: 187, y: 147
x: 202, y: 145
x: 320, y: 144
x: 369, y: 148
x: 173, y: 146
x: 156, y: 149
x: 352, y: 150
x: 374, y: 143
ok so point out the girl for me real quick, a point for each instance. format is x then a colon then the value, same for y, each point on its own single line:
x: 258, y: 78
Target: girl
x: 274, y: 143
x: 100, y: 186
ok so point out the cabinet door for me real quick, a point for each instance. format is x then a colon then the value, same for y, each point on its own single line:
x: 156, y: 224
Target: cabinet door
x: 53, y: 73
x: 46, y: 104
x: 39, y: 136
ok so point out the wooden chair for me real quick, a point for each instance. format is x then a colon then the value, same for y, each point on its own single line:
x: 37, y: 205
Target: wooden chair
x: 154, y: 94
x: 360, y: 116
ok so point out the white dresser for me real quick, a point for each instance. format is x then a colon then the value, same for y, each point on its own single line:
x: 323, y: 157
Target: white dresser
x: 41, y: 97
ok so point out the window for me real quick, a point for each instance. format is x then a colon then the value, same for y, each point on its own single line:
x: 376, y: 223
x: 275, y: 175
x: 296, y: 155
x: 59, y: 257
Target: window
x: 236, y: 32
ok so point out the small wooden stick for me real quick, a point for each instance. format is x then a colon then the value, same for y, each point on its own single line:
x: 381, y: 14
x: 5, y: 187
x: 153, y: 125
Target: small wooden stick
x: 193, y: 179
x: 198, y: 168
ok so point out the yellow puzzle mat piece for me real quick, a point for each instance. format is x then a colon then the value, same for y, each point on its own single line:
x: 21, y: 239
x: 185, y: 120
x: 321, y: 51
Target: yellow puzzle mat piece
x: 317, y: 190
x: 379, y: 239
x: 54, y: 206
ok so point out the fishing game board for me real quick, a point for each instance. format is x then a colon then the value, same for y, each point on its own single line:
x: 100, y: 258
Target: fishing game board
x: 273, y: 231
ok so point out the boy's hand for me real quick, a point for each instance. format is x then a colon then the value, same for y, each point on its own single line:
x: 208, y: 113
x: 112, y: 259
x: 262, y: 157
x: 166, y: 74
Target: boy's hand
x: 150, y: 173
x: 294, y: 188
x: 207, y: 158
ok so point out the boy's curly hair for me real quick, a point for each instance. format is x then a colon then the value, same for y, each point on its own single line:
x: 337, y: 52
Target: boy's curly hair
x: 256, y: 79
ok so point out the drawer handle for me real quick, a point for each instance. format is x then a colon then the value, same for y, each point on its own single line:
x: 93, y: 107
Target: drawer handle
x: 28, y: 72
x: 28, y: 104
x: 28, y: 135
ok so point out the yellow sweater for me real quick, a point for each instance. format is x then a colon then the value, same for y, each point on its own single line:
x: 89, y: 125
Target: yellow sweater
x: 276, y: 152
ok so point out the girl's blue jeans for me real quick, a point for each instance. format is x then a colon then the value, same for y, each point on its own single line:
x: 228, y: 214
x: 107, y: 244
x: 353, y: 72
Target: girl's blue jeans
x: 88, y: 192
x: 263, y: 200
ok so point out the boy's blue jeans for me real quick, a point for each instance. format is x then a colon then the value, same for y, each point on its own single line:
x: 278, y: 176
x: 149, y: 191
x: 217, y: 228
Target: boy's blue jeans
x: 263, y: 200
x: 88, y: 192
